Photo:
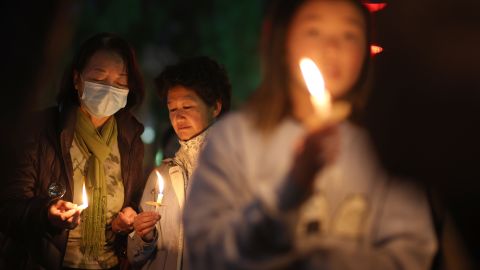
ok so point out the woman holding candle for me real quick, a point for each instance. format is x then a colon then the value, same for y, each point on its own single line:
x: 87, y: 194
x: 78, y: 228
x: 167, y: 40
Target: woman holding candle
x: 90, y: 140
x: 280, y: 185
x: 197, y: 93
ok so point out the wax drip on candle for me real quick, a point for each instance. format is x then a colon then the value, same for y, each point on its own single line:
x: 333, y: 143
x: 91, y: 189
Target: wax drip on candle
x: 160, y: 184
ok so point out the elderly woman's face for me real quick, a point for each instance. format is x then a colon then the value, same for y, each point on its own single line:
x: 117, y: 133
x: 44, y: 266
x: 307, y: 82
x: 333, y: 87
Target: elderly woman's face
x: 103, y: 67
x: 188, y: 113
x: 102, y: 85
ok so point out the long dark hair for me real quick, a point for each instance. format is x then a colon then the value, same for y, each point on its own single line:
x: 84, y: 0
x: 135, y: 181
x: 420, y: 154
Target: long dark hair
x: 275, y: 78
x: 105, y: 42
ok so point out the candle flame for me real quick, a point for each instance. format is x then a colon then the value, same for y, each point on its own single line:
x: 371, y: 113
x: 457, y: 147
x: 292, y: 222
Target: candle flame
x: 84, y: 198
x: 160, y: 184
x: 315, y: 85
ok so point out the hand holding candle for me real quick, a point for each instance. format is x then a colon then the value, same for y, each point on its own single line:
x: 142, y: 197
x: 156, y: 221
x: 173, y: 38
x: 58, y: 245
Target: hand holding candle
x: 64, y: 215
x: 326, y: 112
x: 320, y: 145
x: 145, y: 223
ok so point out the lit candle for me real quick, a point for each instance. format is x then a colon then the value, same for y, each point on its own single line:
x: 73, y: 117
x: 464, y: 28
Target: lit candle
x: 84, y: 199
x: 320, y: 97
x: 160, y: 188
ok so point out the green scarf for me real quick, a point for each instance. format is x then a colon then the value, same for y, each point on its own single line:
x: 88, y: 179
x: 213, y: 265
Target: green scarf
x: 95, y: 146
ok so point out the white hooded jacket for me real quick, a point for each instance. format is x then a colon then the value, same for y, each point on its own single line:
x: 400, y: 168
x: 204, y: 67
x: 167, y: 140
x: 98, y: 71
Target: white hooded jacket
x: 243, y: 213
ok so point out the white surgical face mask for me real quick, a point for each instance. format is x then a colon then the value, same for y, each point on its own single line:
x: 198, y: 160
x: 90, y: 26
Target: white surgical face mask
x: 103, y: 100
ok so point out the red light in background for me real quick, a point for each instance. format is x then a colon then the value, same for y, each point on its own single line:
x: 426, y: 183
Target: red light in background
x: 374, y: 7
x: 375, y: 49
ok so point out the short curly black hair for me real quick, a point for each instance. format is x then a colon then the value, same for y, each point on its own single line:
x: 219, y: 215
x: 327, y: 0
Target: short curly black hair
x: 203, y: 75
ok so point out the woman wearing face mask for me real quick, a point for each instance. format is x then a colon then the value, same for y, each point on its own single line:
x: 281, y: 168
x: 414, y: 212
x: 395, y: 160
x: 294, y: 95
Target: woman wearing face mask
x: 197, y: 92
x: 90, y: 140
x: 274, y: 191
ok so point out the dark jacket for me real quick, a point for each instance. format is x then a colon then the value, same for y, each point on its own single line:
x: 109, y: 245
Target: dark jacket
x: 27, y: 240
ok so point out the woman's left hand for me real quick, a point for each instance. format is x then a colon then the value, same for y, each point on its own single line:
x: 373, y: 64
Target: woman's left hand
x: 319, y: 147
x: 123, y: 223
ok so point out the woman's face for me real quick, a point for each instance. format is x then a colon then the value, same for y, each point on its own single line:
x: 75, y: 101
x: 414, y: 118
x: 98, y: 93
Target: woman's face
x: 333, y: 34
x: 188, y: 113
x: 103, y: 67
